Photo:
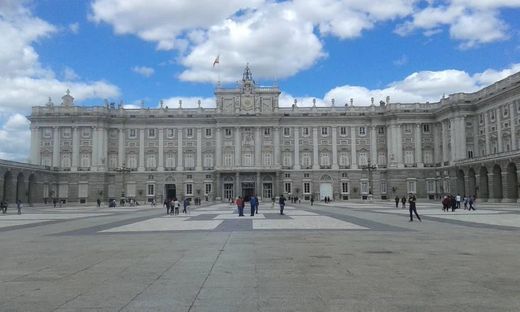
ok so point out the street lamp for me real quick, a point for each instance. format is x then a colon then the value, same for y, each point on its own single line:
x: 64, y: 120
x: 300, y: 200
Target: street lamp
x: 123, y: 170
x: 370, y: 169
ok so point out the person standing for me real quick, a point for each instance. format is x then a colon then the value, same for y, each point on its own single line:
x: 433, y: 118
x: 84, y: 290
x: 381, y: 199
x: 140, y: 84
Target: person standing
x: 19, y: 206
x: 396, y: 201
x: 240, y: 206
x: 252, y: 202
x: 185, y: 205
x: 167, y: 205
x: 98, y: 202
x: 176, y: 206
x: 413, y: 209
x: 403, y: 202
x: 312, y: 200
x: 3, y: 206
x: 282, y: 203
x: 457, y: 200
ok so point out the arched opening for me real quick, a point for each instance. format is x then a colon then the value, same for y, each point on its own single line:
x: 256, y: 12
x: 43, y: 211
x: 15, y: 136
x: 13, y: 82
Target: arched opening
x: 461, y: 189
x: 326, y: 190
x: 512, y: 183
x: 472, y: 183
x: 497, y: 182
x: 8, y: 187
x: 31, y: 189
x: 20, y: 187
x: 483, y: 191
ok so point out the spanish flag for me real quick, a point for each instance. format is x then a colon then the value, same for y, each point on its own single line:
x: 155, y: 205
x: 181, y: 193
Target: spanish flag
x: 216, y: 61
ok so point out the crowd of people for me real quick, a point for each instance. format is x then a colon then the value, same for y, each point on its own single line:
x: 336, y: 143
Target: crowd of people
x: 4, y: 205
x: 173, y: 206
x: 454, y: 202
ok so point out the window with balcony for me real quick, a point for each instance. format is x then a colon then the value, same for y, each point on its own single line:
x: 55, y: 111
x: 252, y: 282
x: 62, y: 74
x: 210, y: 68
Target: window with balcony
x: 287, y: 187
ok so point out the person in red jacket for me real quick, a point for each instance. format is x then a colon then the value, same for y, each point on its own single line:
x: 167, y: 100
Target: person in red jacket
x: 240, y: 206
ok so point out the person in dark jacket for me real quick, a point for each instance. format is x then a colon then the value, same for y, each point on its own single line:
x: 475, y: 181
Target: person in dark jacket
x: 403, y: 202
x: 396, y: 201
x: 281, y: 201
x: 413, y: 209
x: 253, y: 201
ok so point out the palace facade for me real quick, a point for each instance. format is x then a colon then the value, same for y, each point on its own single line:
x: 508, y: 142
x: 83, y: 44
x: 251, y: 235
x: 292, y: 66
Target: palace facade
x: 467, y: 143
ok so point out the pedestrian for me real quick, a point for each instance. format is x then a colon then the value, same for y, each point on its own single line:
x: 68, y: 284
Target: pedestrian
x: 465, y: 202
x: 445, y: 203
x: 396, y: 201
x: 240, y: 206
x: 453, y: 203
x: 471, y: 201
x: 403, y: 202
x: 413, y: 209
x: 98, y: 202
x: 4, y: 207
x: 54, y: 202
x: 252, y: 202
x: 185, y: 205
x: 312, y: 200
x: 167, y: 205
x: 457, y: 200
x: 19, y: 206
x: 176, y: 206
x: 282, y: 203
x: 273, y: 201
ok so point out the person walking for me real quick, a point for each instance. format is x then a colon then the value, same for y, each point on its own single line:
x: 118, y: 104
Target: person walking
x: 19, y: 206
x: 312, y: 200
x: 240, y: 206
x: 98, y: 202
x: 3, y: 207
x: 403, y: 202
x: 257, y: 204
x: 167, y: 205
x: 396, y: 201
x: 176, y: 206
x: 413, y: 209
x: 185, y: 205
x: 282, y: 203
x: 471, y: 201
x: 457, y: 201
x: 252, y: 201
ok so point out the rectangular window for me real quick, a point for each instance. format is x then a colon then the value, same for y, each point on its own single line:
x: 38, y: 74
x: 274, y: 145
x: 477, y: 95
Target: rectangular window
x: 267, y: 131
x: 306, y: 175
x: 362, y: 130
x: 306, y: 160
x: 151, y: 190
x: 189, y: 189
x: 189, y: 160
x: 363, y: 159
x: 411, y: 186
x: 343, y: 159
x: 208, y: 160
x: 383, y: 187
x: 287, y: 175
x: 381, y: 158
x: 364, y: 187
x: 208, y: 132
x: 83, y: 190
x: 381, y: 130
x: 132, y: 134
x: 66, y: 133
x: 151, y: 133
x: 324, y: 131
x: 305, y: 131
x: 408, y: 157
x: 324, y: 159
x: 430, y: 186
x: 207, y: 188
x: 287, y: 160
x: 268, y: 159
x: 227, y: 132
x: 306, y: 187
x: 286, y: 131
x: 287, y: 187
x: 426, y: 128
x: 344, y: 187
x: 189, y: 132
x: 247, y: 159
x: 343, y: 131
x: 492, y: 115
x: 170, y: 133
x: 228, y: 160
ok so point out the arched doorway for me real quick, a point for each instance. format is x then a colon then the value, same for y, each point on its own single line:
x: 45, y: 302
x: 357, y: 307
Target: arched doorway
x: 472, y: 183
x: 8, y: 187
x: 461, y: 188
x: 483, y: 191
x: 497, y: 183
x: 31, y: 189
x: 512, y: 183
x: 20, y: 188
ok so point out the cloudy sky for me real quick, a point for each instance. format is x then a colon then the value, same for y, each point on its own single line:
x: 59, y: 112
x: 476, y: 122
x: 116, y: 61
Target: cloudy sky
x: 147, y: 50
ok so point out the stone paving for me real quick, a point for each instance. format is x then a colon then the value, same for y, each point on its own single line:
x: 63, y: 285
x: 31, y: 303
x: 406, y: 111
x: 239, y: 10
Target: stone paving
x: 347, y: 256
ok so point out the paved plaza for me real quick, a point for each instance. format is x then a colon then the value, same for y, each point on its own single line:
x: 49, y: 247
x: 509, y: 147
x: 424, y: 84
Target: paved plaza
x: 347, y: 256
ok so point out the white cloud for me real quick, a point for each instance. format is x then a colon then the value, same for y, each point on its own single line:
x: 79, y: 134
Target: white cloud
x: 74, y: 28
x: 143, y: 70
x: 24, y: 82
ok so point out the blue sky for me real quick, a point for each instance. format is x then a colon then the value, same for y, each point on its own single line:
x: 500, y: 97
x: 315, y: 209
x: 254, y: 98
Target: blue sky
x: 134, y: 50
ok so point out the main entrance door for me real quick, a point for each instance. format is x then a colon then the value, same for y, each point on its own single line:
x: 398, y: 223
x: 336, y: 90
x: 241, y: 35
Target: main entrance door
x: 170, y: 191
x: 248, y: 189
x: 325, y: 190
x: 228, y: 191
x: 268, y: 191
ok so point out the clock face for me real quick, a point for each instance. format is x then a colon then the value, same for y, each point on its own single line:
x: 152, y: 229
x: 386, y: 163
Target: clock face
x: 247, y: 104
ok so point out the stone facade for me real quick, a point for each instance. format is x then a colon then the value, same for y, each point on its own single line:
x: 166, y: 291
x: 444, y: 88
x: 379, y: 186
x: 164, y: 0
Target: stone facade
x: 465, y: 143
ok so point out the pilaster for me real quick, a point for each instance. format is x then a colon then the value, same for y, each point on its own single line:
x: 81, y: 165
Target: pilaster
x: 513, y: 126
x: 276, y: 139
x: 238, y: 149
x: 499, y: 131
x: 121, y: 148
x: 160, y: 165
x: 315, y: 158
x: 418, y: 146
x: 218, y: 149
x: 75, y: 148
x: 35, y: 145
x: 373, y: 145
x: 297, y: 165
x: 179, y: 150
x: 141, y: 150
x: 258, y: 148
x: 198, y: 166
x: 353, y: 148
x: 334, y: 148
x: 56, y: 147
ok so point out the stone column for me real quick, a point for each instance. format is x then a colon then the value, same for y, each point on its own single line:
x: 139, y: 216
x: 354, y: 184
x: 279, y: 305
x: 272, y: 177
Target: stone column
x: 506, y: 188
x: 104, y: 149
x: 35, y: 145
x: 218, y: 149
x: 276, y: 185
x: 461, y: 143
x: 437, y: 158
x: 486, y: 133
x: 297, y: 165
x: 94, y: 163
x: 56, y: 147
x: 258, y: 188
x: 335, y: 148
x: 315, y: 157
x: 353, y: 149
x: 179, y: 150
x: 141, y: 150
x: 453, y: 140
x: 418, y: 146
x: 121, y: 148
x: 373, y: 145
x: 444, y: 138
x: 499, y: 131
x: 513, y: 127
x: 276, y: 142
x: 198, y: 166
x: 238, y: 143
x: 390, y: 146
x: 491, y: 189
x: 160, y: 165
x: 75, y: 148
x: 258, y: 148
x: 399, y: 146
x: 218, y: 189
x: 237, y: 185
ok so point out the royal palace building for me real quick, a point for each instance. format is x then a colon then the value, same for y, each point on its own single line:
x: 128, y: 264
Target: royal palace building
x: 466, y: 143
